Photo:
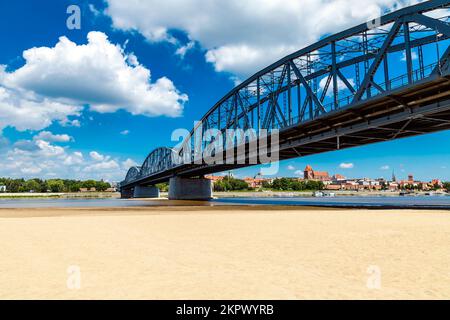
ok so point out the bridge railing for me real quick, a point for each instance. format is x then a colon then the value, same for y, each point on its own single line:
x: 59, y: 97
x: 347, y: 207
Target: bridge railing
x: 395, y: 83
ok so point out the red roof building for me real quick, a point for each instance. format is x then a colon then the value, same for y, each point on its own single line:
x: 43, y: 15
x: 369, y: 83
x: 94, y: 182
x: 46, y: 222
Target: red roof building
x: 310, y: 174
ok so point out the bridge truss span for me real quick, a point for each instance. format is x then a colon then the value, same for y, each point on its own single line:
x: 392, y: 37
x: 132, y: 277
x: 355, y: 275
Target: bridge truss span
x: 344, y: 70
x: 377, y: 81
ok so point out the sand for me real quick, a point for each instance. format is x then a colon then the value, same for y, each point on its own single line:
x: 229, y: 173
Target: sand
x: 224, y: 253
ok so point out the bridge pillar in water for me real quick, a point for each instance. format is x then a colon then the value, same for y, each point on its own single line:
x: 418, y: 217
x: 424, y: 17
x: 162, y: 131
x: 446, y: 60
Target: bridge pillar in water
x: 190, y: 189
x: 146, y: 192
x: 126, y: 193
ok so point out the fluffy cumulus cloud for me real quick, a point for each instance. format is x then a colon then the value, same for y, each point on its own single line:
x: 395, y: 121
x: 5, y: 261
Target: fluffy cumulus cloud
x: 98, y: 74
x: 47, y: 135
x: 47, y: 155
x: 129, y: 163
x: 97, y: 156
x: 345, y: 165
x: 243, y: 36
x: 25, y: 111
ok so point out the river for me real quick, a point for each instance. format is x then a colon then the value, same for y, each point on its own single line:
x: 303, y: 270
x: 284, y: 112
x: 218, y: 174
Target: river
x: 438, y: 202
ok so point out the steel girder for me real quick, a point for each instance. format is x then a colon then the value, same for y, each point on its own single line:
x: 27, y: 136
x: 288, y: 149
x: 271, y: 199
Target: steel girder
x: 133, y: 173
x: 158, y: 160
x: 348, y: 69
x: 324, y: 76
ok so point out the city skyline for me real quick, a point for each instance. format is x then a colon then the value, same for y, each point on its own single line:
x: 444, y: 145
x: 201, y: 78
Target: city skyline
x: 75, y: 128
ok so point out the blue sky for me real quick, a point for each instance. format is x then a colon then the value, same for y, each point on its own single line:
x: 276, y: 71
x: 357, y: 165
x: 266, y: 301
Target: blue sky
x: 70, y: 128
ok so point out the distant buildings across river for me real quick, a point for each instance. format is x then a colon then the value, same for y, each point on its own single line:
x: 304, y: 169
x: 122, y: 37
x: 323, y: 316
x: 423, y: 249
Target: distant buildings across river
x: 338, y: 182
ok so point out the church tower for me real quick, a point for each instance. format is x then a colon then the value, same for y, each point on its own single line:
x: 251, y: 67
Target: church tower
x: 308, y: 173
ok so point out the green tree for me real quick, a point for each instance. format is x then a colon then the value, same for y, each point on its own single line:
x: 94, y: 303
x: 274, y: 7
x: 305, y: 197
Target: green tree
x: 32, y: 185
x: 230, y: 184
x: 88, y: 184
x: 163, y: 187
x: 102, y: 186
x: 447, y: 186
x: 55, y: 185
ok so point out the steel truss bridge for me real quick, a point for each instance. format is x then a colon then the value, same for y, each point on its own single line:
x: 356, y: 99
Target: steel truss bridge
x: 378, y: 81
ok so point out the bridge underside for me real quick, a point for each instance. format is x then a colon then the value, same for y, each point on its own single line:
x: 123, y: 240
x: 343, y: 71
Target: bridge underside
x: 412, y: 111
x: 368, y: 84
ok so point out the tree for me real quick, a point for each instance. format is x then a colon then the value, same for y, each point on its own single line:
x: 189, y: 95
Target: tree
x: 102, y: 186
x: 89, y: 184
x: 163, y: 187
x: 230, y: 184
x: 55, y: 185
x: 447, y: 186
x: 32, y: 186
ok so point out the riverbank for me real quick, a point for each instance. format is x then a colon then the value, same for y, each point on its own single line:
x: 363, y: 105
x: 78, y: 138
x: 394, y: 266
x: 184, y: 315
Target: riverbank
x: 305, y: 194
x: 229, y: 194
x: 50, y: 195
x: 224, y: 253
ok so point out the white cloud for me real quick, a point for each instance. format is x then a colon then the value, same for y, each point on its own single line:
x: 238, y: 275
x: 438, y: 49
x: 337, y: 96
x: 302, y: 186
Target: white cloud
x: 129, y: 163
x: 70, y: 123
x: 181, y: 51
x: 299, y: 173
x: 110, y: 165
x: 125, y: 132
x: 31, y: 171
x: 48, y: 136
x: 94, y: 10
x: 244, y: 36
x: 414, y: 56
x: 96, y: 74
x: 25, y: 111
x: 97, y: 156
x: 341, y: 85
x: 75, y: 158
x: 290, y: 167
x: 39, y: 158
x: 346, y: 165
x: 385, y: 167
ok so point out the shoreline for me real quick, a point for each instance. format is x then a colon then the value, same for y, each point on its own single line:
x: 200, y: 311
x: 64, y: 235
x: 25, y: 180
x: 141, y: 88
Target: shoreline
x: 62, y: 195
x: 248, y: 202
x: 219, y: 195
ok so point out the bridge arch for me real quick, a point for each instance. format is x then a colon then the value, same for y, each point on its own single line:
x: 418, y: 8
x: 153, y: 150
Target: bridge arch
x: 133, y: 174
x: 158, y: 160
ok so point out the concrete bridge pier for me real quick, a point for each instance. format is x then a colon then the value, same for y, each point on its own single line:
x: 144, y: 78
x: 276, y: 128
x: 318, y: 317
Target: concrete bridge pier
x: 146, y: 192
x: 126, y: 193
x: 190, y: 189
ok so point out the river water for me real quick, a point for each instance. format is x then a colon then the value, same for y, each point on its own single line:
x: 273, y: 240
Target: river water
x: 442, y: 202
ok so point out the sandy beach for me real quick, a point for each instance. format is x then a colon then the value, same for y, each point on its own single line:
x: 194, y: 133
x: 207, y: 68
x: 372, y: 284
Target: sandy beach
x: 224, y: 253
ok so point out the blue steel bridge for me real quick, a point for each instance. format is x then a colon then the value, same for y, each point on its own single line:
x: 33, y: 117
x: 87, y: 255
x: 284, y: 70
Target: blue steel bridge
x: 378, y: 81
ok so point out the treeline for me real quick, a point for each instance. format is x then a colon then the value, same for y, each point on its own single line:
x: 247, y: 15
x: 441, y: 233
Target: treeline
x: 281, y: 184
x: 447, y: 186
x: 51, y: 185
x: 290, y: 184
x: 230, y: 184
